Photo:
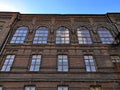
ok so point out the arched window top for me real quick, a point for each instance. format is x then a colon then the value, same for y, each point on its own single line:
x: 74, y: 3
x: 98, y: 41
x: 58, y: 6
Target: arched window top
x: 43, y: 28
x: 62, y: 35
x: 105, y: 35
x: 20, y: 35
x: 62, y: 28
x: 41, y: 36
x: 84, y: 36
x: 22, y: 28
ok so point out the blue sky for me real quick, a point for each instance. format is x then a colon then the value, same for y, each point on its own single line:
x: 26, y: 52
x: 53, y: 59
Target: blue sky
x: 61, y: 6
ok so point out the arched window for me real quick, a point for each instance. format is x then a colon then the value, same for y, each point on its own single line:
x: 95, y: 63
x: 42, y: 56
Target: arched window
x: 41, y: 36
x: 105, y: 36
x: 84, y: 36
x: 20, y: 35
x: 62, y: 36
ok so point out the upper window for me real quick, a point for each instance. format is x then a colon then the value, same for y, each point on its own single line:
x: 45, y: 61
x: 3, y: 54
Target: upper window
x: 89, y: 62
x: 84, y: 36
x: 41, y: 36
x: 62, y: 88
x: 8, y: 63
x: 20, y: 35
x: 62, y: 63
x: 105, y: 36
x: 35, y: 64
x: 62, y: 36
x: 30, y: 88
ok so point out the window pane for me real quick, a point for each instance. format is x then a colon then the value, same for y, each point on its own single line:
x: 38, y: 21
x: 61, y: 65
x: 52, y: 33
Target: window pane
x: 19, y: 35
x: 35, y: 63
x: 84, y: 36
x: 62, y: 63
x: 62, y: 36
x: 89, y: 62
x: 105, y: 36
x: 8, y: 63
x: 0, y: 88
x: 41, y: 36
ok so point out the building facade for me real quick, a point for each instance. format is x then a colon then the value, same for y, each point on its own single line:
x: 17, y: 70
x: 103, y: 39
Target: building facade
x: 59, y: 52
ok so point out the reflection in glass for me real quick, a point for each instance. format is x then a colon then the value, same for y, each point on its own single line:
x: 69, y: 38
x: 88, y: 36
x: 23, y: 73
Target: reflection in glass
x: 89, y: 62
x: 20, y: 35
x: 8, y: 63
x: 84, y: 36
x: 35, y: 64
x: 62, y: 36
x: 105, y: 36
x: 41, y: 36
x: 62, y: 63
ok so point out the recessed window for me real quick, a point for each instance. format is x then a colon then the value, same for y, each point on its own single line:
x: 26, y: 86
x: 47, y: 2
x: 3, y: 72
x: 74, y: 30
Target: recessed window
x: 8, y: 63
x: 62, y: 63
x: 30, y: 88
x: 62, y: 88
x: 41, y: 36
x: 62, y: 36
x: 89, y: 62
x: 84, y: 36
x: 35, y: 64
x: 105, y: 36
x: 95, y: 87
x: 20, y: 35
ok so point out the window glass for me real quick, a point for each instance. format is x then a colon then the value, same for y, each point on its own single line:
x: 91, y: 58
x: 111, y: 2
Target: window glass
x: 105, y: 36
x: 62, y: 63
x: 62, y: 88
x: 0, y: 88
x: 29, y: 88
x: 41, y: 36
x: 8, y: 63
x: 62, y: 36
x: 89, y: 62
x: 19, y: 36
x: 35, y: 64
x: 84, y: 36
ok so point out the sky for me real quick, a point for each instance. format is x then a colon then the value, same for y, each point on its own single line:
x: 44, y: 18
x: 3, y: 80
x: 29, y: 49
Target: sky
x: 60, y: 6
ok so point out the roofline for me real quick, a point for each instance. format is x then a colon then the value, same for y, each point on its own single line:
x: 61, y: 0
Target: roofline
x: 62, y: 14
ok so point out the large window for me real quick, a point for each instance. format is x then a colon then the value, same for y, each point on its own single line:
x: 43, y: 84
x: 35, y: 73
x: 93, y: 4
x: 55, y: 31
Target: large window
x: 89, y: 62
x: 20, y: 35
x: 30, y: 88
x: 35, y: 64
x: 84, y: 36
x: 62, y: 36
x: 8, y: 63
x: 105, y: 36
x: 62, y: 63
x: 41, y: 36
x: 62, y: 88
